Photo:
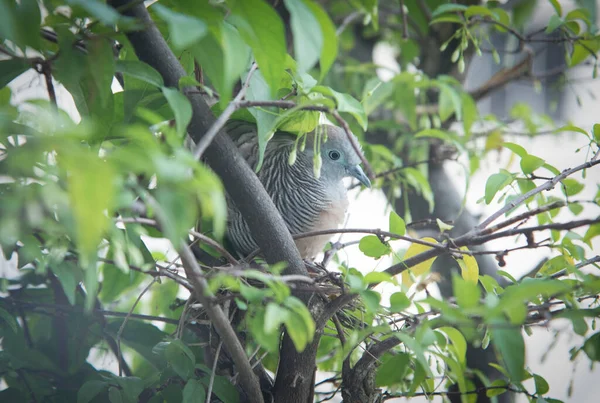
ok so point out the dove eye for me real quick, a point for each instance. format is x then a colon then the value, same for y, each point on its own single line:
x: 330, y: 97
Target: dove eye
x: 334, y: 155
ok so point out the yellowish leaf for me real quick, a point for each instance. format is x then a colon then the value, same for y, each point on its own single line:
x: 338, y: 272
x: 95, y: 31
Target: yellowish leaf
x: 416, y: 249
x: 469, y: 267
x: 406, y: 280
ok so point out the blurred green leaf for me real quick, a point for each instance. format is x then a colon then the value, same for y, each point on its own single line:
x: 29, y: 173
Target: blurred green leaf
x: 396, y: 224
x: 184, y: 29
x: 467, y: 293
x: 530, y: 163
x: 140, y: 70
x: 541, y: 385
x: 181, y: 108
x: 181, y: 358
x: 571, y: 186
x: 11, y: 69
x: 307, y: 36
x: 90, y: 390
x: 91, y: 191
x: 371, y: 246
x: 399, y: 302
x: 509, y: 343
x: 330, y: 41
x: 393, y: 370
x: 194, y: 392
x: 592, y: 347
x: 263, y: 30
x: 495, y: 183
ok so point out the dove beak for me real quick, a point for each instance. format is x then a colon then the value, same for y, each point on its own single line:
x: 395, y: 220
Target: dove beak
x: 357, y: 172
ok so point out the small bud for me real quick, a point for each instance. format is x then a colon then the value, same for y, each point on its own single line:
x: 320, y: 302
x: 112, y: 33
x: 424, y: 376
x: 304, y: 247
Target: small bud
x: 461, y: 65
x: 496, y: 56
x: 317, y: 163
x: 455, y: 55
x: 292, y: 156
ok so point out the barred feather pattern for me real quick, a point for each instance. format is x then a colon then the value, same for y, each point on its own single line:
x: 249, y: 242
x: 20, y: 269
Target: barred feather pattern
x: 300, y: 197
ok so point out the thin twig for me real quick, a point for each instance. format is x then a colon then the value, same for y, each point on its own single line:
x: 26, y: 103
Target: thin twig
x: 202, y: 238
x: 347, y: 21
x: 404, y: 20
x: 213, y: 372
x: 521, y: 199
x: 224, y: 117
x: 122, y: 328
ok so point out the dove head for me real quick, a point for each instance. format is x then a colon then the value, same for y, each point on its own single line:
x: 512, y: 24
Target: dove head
x: 339, y: 159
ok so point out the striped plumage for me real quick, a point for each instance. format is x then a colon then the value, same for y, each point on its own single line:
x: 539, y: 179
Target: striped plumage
x: 305, y: 202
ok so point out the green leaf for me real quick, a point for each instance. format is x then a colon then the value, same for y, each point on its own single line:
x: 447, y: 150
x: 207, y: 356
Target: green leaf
x: 459, y: 344
x: 140, y: 70
x: 583, y: 49
x: 469, y: 267
x: 376, y: 277
x: 592, y: 347
x: 515, y: 148
x: 224, y: 56
x: 299, y: 325
x: 571, y: 128
x: 405, y: 98
x: 527, y: 290
x: 467, y: 293
x: 265, y: 117
x: 142, y: 337
x: 275, y: 316
x: 511, y: 346
x: 115, y: 395
x: 90, y: 390
x: 11, y: 69
x: 557, y: 7
x: 479, y: 10
x: 541, y: 386
x: 448, y: 8
x: 8, y: 319
x: 69, y: 276
x: 397, y: 224
x: 194, y: 392
x: 346, y: 103
x: 451, y: 18
x: 130, y: 387
x: 181, y: 108
x: 181, y: 358
x: 392, y: 370
x: 554, y: 22
x: 307, y: 36
x: 263, y: 30
x: 104, y: 13
x: 371, y: 246
x: 571, y: 187
x: 530, y: 163
x: 443, y: 227
x: 498, y: 387
x: 371, y: 299
x: 378, y: 93
x: 398, y: 302
x: 555, y: 265
x: 91, y: 192
x: 330, y: 39
x: 470, y: 113
x: 434, y: 133
x: 596, y: 131
x: 184, y: 30
x: 223, y: 389
x: 495, y: 183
